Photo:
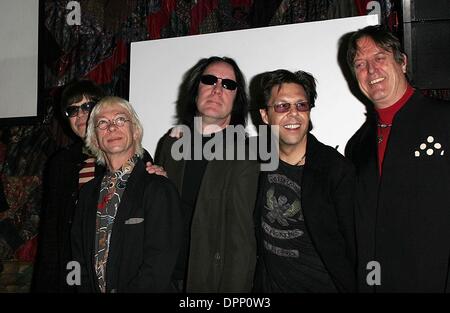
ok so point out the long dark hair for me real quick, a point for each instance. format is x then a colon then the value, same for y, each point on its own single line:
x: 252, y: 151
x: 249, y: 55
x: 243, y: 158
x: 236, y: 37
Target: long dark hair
x: 186, y: 103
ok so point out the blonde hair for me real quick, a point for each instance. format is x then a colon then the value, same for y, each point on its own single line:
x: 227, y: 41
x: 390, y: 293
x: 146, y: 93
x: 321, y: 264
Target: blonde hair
x: 91, y: 139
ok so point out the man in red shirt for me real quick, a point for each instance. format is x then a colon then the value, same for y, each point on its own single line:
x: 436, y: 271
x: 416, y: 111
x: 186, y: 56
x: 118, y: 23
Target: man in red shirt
x: 403, y: 216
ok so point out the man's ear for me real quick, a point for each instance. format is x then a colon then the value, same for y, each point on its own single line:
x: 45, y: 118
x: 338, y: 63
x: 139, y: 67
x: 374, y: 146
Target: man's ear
x: 264, y: 117
x: 405, y: 62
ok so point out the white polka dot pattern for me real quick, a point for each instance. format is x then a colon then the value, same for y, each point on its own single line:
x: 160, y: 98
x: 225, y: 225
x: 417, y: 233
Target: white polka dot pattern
x: 429, y: 147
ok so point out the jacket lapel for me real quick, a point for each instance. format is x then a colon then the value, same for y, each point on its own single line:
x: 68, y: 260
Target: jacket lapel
x: 123, y: 211
x: 178, y: 174
x: 309, y: 179
x: 175, y: 169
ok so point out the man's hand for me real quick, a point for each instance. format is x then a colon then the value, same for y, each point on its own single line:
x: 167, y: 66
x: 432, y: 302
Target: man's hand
x: 176, y: 132
x: 155, y: 169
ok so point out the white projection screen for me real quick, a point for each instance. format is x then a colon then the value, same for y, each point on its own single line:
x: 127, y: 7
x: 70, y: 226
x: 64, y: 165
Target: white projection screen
x: 19, y: 25
x: 157, y: 68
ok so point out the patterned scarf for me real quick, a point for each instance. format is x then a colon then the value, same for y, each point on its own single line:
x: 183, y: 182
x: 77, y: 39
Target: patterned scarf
x: 111, y: 191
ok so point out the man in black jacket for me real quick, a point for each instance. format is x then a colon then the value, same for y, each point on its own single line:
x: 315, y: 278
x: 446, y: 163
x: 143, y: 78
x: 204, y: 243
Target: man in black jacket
x: 218, y: 253
x: 403, y: 166
x: 62, y: 185
x: 304, y: 212
x: 126, y: 231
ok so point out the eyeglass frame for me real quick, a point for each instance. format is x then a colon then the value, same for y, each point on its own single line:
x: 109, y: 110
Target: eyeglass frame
x: 112, y: 122
x: 290, y: 105
x: 85, y: 107
x: 225, y: 82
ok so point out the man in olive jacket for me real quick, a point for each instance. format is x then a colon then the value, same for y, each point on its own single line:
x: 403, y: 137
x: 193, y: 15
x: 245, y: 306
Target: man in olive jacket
x: 218, y: 196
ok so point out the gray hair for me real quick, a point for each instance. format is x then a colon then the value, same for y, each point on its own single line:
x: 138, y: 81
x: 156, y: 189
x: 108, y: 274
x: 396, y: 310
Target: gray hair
x: 91, y: 140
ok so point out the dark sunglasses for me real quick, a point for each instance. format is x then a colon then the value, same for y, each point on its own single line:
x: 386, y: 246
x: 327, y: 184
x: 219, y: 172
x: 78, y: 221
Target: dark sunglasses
x: 228, y: 84
x: 73, y: 110
x: 283, y: 107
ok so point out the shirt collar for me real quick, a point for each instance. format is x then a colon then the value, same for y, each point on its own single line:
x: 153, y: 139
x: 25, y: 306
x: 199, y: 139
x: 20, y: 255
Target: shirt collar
x: 386, y: 115
x: 126, y: 168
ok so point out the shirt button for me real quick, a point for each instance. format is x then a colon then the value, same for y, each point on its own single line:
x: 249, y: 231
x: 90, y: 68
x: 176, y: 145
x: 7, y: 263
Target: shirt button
x: 217, y: 256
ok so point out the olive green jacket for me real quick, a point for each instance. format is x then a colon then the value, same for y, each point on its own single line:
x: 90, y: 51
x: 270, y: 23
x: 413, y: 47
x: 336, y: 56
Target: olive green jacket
x: 222, y: 252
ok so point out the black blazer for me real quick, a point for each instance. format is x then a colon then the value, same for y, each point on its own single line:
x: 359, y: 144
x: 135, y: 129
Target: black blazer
x: 327, y: 195
x: 403, y: 217
x: 145, y: 240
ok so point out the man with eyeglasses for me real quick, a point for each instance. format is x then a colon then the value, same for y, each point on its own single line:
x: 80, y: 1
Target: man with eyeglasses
x: 304, y: 211
x: 218, y: 253
x: 62, y: 182
x: 126, y: 231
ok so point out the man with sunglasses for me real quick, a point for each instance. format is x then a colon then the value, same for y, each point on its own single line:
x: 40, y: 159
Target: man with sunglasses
x: 304, y: 211
x: 219, y: 250
x: 62, y: 181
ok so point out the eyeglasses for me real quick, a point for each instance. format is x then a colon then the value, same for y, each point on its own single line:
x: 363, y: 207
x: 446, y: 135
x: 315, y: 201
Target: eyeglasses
x: 283, y: 107
x: 106, y: 124
x: 228, y: 84
x: 72, y: 110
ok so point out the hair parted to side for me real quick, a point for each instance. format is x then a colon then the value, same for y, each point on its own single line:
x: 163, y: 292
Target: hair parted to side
x: 279, y: 77
x: 382, y: 37
x: 76, y: 90
x: 91, y: 137
x: 187, y: 102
